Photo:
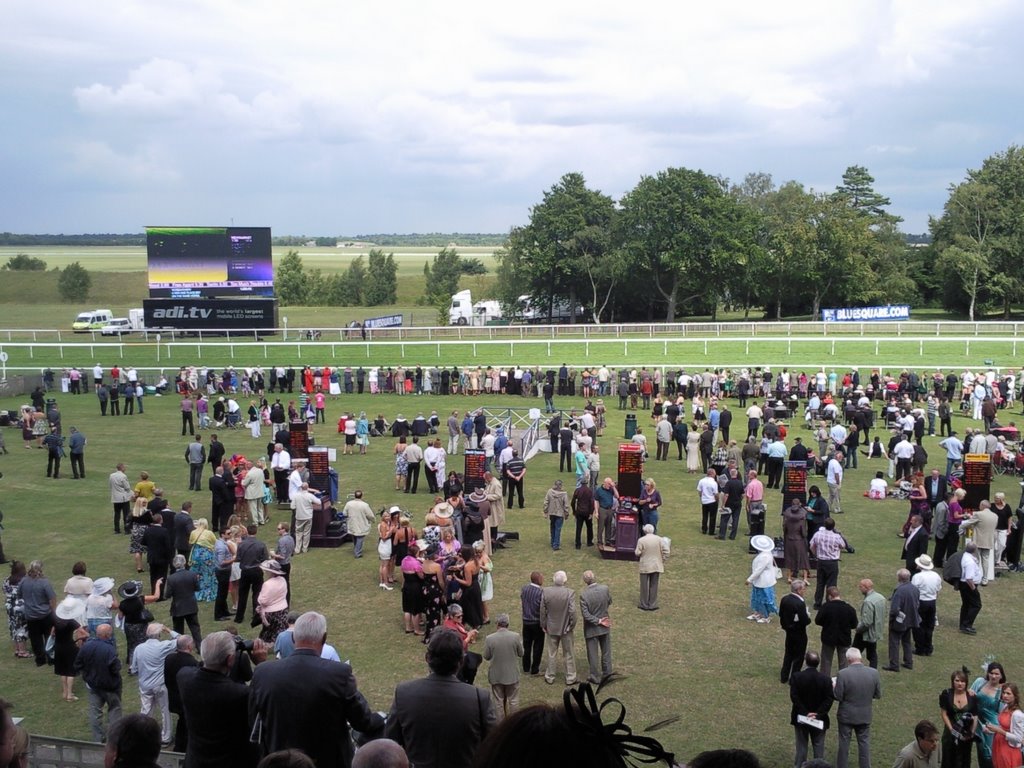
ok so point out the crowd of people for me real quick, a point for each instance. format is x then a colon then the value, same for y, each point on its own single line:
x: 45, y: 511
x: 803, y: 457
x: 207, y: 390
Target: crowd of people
x: 305, y: 700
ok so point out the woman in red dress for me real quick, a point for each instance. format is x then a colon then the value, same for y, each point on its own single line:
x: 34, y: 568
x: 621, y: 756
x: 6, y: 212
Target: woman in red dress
x: 1008, y: 735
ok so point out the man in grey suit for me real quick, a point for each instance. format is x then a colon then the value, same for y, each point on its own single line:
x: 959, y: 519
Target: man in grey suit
x: 431, y: 741
x: 504, y: 649
x: 597, y: 627
x: 904, y: 617
x: 856, y: 687
x: 558, y: 620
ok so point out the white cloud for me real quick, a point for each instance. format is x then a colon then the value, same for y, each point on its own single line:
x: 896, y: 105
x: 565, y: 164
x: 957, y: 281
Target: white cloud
x: 433, y: 96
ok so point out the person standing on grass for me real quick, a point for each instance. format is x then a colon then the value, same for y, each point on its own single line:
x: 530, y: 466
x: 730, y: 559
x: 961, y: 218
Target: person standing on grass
x: 504, y: 649
x: 794, y: 618
x: 186, y: 416
x: 872, y: 621
x: 100, y: 667
x: 856, y: 688
x: 533, y: 634
x: 595, y: 600
x: 195, y: 456
x: 834, y: 479
x: 120, y: 497
x: 360, y: 519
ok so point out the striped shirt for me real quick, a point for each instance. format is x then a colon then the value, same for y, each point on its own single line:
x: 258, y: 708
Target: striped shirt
x: 827, y: 544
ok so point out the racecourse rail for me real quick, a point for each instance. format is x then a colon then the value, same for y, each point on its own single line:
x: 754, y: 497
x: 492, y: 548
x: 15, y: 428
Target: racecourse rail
x: 500, y: 344
x: 567, y: 332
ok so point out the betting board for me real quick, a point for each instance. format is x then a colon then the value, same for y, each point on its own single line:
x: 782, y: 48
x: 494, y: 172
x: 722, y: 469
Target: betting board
x: 977, y: 479
x: 474, y: 474
x: 631, y: 470
x: 794, y: 482
x: 299, y: 446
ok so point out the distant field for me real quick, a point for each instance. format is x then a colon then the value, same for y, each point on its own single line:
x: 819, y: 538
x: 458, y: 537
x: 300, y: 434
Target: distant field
x: 119, y: 278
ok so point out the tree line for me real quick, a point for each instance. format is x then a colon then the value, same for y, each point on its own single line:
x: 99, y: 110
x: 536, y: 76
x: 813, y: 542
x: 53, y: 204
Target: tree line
x: 685, y: 243
x: 366, y: 282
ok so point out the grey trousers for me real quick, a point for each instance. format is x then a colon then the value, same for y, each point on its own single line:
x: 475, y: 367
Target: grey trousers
x: 649, y: 590
x: 863, y: 745
x: 599, y: 656
x: 97, y: 700
x: 817, y: 739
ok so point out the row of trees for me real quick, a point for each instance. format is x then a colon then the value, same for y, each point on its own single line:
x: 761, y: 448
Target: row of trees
x: 73, y: 282
x: 367, y: 282
x: 683, y: 242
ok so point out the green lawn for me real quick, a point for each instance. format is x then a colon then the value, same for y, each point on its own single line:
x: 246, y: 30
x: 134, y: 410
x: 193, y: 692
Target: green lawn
x: 698, y: 656
x: 891, y: 353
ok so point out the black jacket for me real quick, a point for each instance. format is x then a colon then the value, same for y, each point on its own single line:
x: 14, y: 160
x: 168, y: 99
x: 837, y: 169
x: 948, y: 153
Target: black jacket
x: 837, y: 620
x: 810, y: 691
x: 793, y: 615
x: 99, y: 664
x: 217, y: 716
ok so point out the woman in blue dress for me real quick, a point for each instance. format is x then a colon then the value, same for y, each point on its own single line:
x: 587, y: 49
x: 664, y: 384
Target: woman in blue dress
x: 987, y: 691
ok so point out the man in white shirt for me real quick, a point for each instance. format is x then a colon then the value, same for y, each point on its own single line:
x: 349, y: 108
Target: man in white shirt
x: 754, y: 416
x: 487, y: 443
x: 281, y: 464
x: 838, y: 435
x: 928, y: 584
x: 97, y: 375
x: 296, y: 478
x: 903, y: 453
x: 708, y: 489
x: 970, y: 584
x: 432, y: 455
x: 834, y: 478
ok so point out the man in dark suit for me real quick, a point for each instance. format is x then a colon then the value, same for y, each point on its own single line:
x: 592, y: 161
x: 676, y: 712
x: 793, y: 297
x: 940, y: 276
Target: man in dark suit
x: 180, y: 588
x: 915, y: 544
x: 811, y: 694
x: 216, y: 708
x: 935, y: 486
x: 308, y: 703
x: 183, y: 527
x: 216, y: 453
x: 856, y: 687
x: 794, y: 618
x: 222, y: 500
x: 159, y: 550
x: 177, y: 661
x: 449, y: 741
x: 837, y: 619
x: 904, y: 617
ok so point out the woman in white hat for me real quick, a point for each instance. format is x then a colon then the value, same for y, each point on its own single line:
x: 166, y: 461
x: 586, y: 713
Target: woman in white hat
x: 100, y: 605
x: 272, y: 604
x: 763, y: 575
x: 70, y: 616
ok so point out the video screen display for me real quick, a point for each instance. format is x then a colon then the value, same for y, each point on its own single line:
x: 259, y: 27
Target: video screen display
x: 207, y: 262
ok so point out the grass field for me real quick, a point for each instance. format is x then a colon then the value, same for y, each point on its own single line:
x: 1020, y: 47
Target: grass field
x: 888, y: 353
x: 696, y: 658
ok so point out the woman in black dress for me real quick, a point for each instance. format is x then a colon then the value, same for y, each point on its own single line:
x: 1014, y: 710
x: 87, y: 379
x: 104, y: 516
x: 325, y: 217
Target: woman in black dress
x: 469, y: 579
x: 433, y: 592
x: 959, y: 708
x: 70, y: 616
x: 136, y: 616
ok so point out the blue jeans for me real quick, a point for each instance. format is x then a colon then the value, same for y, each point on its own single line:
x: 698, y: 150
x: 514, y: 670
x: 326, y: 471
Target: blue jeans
x: 649, y: 517
x: 357, y: 546
x: 556, y: 531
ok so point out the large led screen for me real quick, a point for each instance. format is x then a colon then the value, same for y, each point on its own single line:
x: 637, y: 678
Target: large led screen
x: 207, y: 262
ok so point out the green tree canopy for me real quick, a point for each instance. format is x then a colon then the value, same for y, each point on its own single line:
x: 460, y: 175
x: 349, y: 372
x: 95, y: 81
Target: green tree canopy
x: 381, y: 282
x: 291, y: 280
x: 74, y: 282
x: 22, y: 262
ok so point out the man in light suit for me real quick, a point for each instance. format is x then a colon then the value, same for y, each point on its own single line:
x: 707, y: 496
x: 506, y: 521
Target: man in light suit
x: 811, y: 693
x: 306, y: 702
x: 558, y: 620
x: 597, y: 627
x: 984, y: 522
x: 431, y: 741
x: 856, y: 687
x: 504, y: 649
x: 652, y: 565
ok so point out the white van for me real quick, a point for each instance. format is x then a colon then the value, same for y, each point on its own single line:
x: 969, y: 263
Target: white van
x: 93, y: 320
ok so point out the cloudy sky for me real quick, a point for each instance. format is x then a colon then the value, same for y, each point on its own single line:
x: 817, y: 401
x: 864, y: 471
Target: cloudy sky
x: 326, y: 118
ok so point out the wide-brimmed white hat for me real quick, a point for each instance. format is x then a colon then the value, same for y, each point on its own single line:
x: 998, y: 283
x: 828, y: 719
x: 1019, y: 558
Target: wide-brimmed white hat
x: 762, y: 543
x: 924, y: 563
x: 70, y: 608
